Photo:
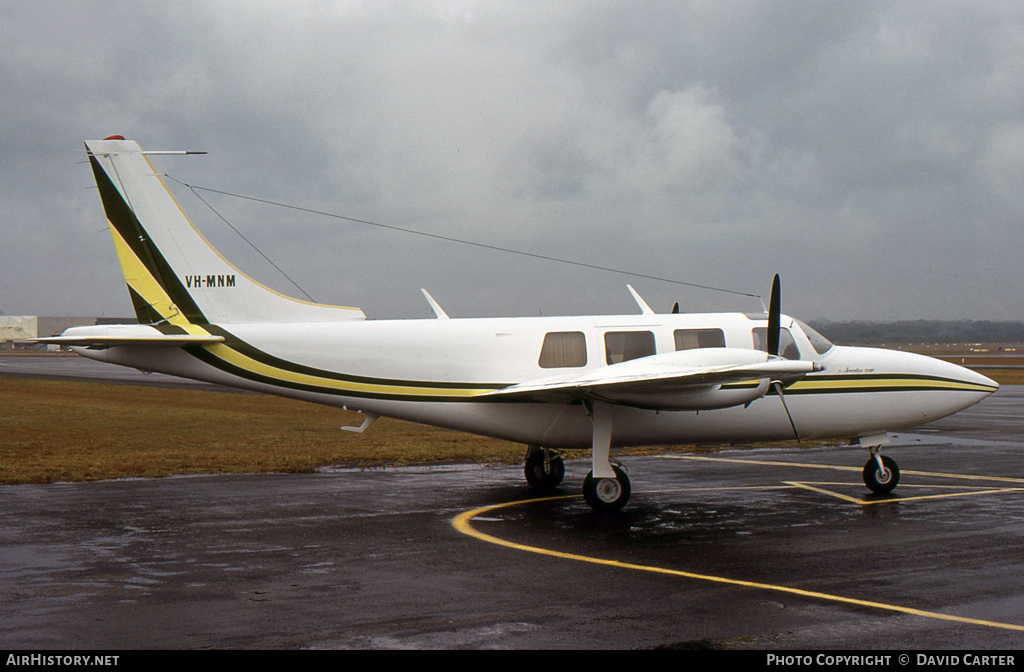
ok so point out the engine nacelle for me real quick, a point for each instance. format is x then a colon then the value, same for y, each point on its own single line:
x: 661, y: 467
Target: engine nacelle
x: 705, y: 397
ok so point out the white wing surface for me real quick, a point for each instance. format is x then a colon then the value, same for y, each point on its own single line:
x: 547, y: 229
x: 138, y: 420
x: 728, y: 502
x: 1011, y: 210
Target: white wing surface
x: 686, y: 380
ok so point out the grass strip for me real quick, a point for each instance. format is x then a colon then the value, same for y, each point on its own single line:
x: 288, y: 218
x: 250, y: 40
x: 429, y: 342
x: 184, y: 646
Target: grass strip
x: 81, y: 431
x: 54, y: 430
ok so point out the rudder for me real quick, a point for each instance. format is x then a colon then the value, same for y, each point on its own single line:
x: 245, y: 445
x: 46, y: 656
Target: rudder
x: 173, y: 273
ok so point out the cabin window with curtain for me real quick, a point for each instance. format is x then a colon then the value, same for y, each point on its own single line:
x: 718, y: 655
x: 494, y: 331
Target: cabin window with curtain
x: 690, y: 339
x: 622, y: 346
x: 563, y: 349
x: 787, y: 346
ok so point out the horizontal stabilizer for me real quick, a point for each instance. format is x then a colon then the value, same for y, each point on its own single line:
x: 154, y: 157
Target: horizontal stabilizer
x: 125, y: 334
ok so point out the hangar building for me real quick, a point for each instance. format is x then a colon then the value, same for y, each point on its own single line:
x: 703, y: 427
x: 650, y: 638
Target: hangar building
x: 16, y: 330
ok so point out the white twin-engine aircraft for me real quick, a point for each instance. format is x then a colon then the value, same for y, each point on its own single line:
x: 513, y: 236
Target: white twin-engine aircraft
x: 604, y: 381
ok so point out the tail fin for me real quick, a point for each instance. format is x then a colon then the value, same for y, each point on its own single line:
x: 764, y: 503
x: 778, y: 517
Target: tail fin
x: 174, y: 275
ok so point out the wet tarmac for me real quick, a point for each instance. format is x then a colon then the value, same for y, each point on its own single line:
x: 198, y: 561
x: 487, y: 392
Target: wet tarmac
x: 740, y: 549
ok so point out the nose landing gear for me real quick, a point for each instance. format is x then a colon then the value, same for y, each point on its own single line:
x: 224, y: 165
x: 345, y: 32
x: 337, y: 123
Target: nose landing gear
x: 881, y: 473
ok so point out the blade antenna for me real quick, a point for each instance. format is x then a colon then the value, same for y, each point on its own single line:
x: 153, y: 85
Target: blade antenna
x: 644, y: 308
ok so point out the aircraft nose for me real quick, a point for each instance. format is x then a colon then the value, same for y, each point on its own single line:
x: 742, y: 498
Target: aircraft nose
x: 928, y: 388
x: 968, y: 377
x: 978, y: 379
x: 970, y: 386
x: 928, y: 372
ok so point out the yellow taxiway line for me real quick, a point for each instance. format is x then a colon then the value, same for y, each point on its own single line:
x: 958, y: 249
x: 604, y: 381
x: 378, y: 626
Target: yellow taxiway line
x: 889, y: 500
x: 805, y: 465
x: 463, y: 523
x: 815, y: 486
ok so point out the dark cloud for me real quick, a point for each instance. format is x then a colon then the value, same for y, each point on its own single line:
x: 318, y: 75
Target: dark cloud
x: 870, y: 152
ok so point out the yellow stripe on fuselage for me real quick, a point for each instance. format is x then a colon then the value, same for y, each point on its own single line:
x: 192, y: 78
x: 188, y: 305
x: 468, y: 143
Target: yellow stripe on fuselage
x: 231, y: 356
x: 853, y: 384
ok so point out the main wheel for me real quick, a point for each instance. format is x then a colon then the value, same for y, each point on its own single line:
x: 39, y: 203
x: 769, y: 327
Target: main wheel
x: 606, y: 494
x: 541, y: 478
x: 878, y: 481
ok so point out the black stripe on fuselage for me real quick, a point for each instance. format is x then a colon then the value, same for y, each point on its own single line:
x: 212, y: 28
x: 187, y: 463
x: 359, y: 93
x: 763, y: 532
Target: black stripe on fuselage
x: 207, y: 357
x: 854, y: 383
x: 237, y: 344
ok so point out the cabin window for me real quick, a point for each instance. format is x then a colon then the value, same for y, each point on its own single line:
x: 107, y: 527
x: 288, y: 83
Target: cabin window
x: 622, y: 346
x: 563, y: 349
x: 787, y: 346
x: 689, y: 339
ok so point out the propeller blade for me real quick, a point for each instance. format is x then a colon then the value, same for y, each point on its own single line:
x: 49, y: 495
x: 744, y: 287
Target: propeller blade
x: 774, y: 319
x: 774, y: 332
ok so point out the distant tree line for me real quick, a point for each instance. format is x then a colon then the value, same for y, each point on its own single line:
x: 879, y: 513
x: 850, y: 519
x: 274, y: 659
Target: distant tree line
x: 922, y: 331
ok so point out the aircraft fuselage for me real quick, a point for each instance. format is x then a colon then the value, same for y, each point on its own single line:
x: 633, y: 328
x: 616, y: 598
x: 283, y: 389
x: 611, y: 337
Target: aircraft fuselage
x: 433, y: 372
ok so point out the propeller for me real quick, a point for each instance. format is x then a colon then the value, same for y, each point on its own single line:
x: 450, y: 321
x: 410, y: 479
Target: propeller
x: 774, y: 332
x: 774, y: 325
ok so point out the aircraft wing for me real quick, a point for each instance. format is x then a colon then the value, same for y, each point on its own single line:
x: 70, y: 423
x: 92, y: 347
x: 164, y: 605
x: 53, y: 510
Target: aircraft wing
x: 686, y: 380
x: 109, y: 336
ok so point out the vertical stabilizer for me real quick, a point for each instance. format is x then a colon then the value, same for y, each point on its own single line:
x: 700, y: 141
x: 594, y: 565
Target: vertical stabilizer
x: 174, y: 275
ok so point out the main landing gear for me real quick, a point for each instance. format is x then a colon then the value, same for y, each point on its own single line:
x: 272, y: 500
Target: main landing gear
x: 881, y: 473
x: 607, y: 494
x: 544, y: 468
x: 606, y: 488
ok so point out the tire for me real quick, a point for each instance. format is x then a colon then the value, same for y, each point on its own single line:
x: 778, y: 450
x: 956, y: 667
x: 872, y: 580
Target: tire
x: 880, y: 483
x: 537, y: 477
x: 606, y: 495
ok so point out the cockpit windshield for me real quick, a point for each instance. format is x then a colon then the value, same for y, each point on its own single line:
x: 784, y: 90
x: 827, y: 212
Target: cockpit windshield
x: 820, y: 344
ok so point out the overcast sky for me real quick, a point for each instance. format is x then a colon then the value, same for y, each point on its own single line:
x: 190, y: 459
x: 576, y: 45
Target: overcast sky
x: 872, y: 153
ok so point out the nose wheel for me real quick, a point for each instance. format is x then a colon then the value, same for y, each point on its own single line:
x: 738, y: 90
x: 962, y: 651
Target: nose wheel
x: 881, y: 474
